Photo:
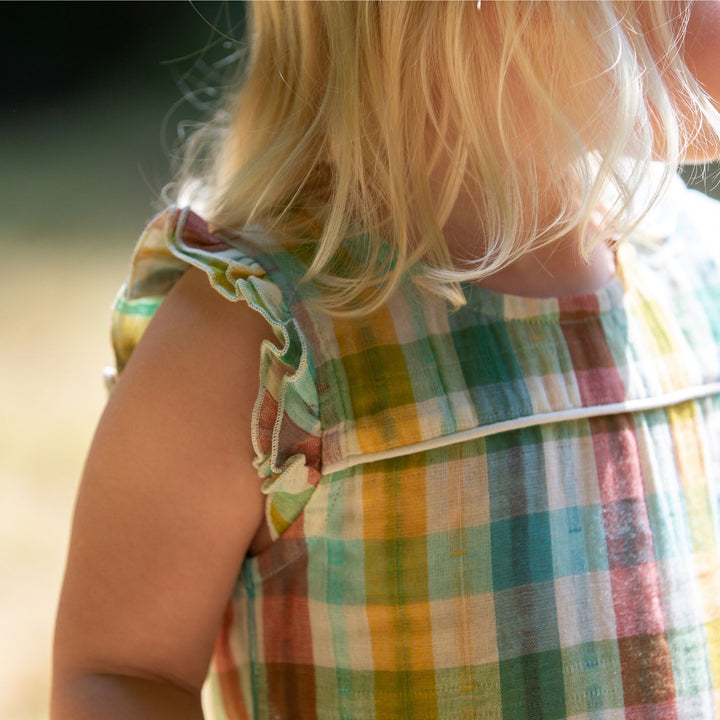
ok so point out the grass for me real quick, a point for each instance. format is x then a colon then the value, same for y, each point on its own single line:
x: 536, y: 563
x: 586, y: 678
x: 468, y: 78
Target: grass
x: 54, y: 313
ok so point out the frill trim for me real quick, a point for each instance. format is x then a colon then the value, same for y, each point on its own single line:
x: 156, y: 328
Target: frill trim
x: 286, y: 433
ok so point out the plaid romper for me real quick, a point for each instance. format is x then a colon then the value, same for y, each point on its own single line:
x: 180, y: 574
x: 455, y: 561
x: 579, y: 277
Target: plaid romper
x: 508, y: 510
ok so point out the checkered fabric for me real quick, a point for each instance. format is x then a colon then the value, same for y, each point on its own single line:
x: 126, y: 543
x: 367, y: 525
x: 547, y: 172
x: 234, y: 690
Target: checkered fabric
x: 508, y: 510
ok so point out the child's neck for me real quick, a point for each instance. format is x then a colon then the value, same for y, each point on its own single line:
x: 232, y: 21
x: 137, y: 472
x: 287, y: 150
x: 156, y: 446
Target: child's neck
x: 556, y: 271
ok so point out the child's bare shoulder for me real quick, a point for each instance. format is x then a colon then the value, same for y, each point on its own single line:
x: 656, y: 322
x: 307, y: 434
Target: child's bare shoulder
x: 195, y: 372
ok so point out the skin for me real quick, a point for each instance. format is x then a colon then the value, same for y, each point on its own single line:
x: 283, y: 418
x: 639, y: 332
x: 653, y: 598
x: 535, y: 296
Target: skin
x: 701, y: 52
x: 169, y: 506
x: 169, y: 503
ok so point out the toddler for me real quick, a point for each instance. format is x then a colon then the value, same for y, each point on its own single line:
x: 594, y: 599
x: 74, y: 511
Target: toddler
x: 417, y: 410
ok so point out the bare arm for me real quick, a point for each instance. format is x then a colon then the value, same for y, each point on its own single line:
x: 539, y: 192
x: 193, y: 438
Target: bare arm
x: 168, y: 506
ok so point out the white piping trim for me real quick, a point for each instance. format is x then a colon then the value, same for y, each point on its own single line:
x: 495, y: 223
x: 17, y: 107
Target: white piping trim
x: 654, y: 403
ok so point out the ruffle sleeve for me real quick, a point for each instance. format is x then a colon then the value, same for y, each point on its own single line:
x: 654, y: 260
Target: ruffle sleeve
x: 285, y: 423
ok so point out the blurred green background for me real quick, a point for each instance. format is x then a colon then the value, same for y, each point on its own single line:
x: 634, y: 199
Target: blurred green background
x: 94, y: 98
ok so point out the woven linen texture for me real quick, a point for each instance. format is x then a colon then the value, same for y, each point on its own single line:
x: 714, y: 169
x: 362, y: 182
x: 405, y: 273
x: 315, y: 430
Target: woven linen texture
x: 504, y: 511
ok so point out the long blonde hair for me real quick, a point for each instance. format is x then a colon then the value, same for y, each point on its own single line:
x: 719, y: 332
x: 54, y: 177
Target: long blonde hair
x: 370, y: 118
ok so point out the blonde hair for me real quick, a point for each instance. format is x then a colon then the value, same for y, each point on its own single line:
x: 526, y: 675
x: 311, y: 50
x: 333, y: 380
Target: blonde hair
x: 370, y: 118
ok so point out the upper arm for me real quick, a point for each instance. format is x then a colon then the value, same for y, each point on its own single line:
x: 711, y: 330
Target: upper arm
x: 169, y: 501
